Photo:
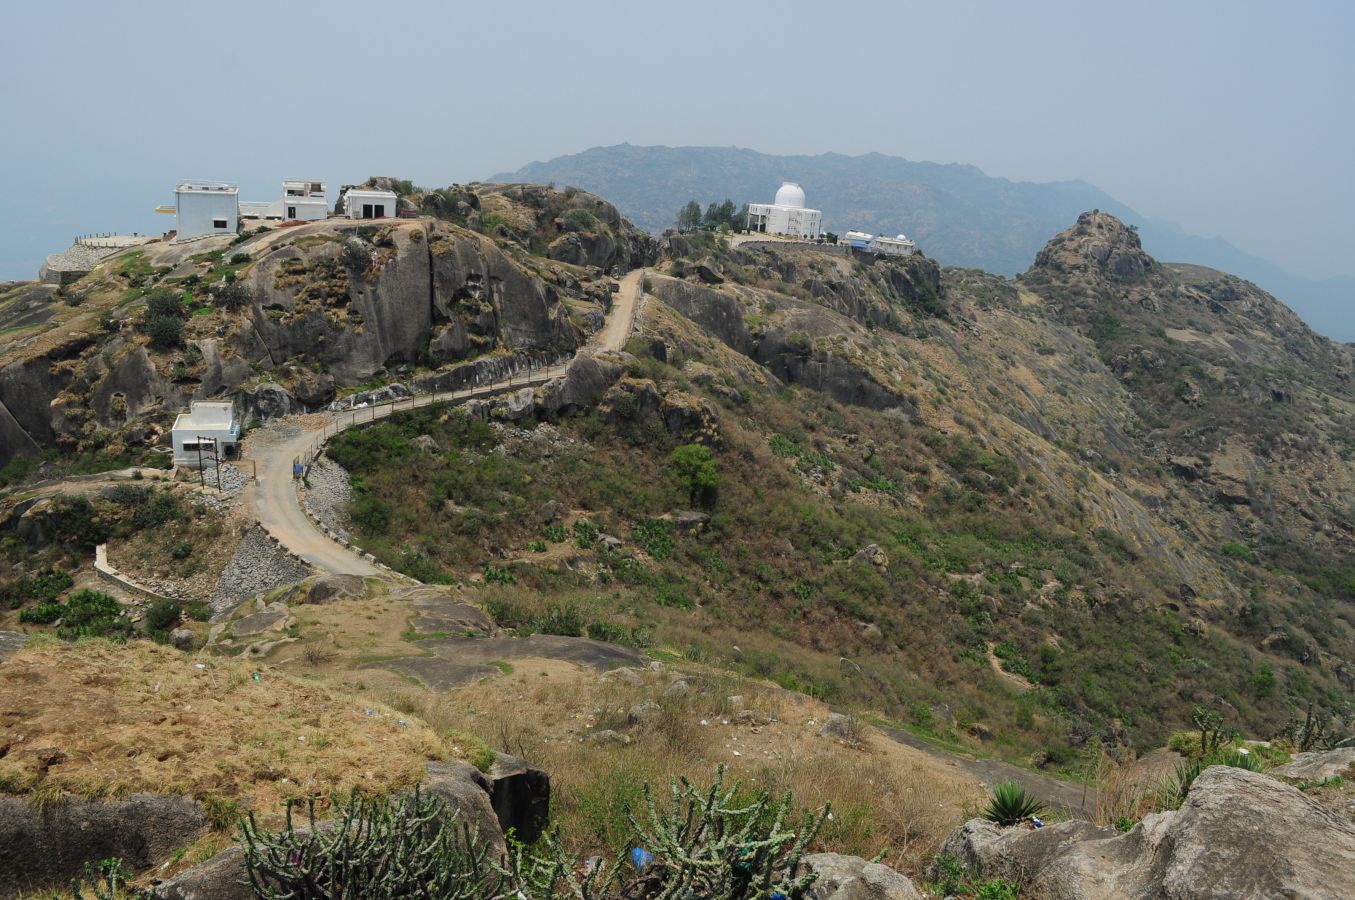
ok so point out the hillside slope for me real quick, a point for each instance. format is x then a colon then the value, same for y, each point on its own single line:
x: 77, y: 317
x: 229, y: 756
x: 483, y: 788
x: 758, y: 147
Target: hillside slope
x: 1067, y: 510
x: 957, y: 213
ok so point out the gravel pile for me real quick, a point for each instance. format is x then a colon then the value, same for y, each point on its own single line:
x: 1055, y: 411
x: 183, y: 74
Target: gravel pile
x: 329, y: 495
x: 232, y: 479
x: 258, y: 565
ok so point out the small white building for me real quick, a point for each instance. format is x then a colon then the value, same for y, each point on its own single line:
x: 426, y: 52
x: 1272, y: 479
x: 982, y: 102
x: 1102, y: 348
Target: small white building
x: 363, y: 203
x: 206, y: 433
x: 786, y: 214
x: 303, y: 201
x: 891, y: 246
x: 857, y: 240
x: 205, y: 207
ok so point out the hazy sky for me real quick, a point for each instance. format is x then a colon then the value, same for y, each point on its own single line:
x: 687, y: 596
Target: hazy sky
x: 1229, y: 118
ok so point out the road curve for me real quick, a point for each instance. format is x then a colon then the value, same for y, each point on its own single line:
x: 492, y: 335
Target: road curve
x: 277, y: 447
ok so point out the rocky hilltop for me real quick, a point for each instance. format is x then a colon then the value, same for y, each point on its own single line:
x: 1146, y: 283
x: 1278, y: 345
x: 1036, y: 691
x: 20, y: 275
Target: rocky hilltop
x: 283, y: 318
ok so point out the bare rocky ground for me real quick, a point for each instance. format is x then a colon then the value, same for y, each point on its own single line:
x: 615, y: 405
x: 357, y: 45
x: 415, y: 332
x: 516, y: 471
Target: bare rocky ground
x: 258, y: 565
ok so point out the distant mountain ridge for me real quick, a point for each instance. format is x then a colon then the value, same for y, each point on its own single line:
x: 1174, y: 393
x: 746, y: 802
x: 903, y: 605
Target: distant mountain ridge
x: 958, y: 214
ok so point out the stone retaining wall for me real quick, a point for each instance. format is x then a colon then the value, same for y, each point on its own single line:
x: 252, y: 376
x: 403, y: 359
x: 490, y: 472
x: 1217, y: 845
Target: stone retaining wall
x: 109, y: 572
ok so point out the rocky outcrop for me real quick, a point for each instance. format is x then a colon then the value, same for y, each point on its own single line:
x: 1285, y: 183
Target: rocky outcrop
x: 45, y: 846
x: 853, y: 878
x: 1319, y: 766
x: 328, y: 588
x: 1099, y: 243
x: 1239, y: 834
x: 585, y: 382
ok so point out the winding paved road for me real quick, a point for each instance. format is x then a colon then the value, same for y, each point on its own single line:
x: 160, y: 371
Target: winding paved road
x: 275, y: 448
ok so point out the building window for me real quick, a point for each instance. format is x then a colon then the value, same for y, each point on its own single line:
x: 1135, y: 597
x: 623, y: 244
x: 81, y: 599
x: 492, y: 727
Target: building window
x: 219, y: 223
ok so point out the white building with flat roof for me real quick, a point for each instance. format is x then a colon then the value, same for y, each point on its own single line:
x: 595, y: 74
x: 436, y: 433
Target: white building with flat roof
x: 787, y: 214
x: 363, y: 203
x: 204, y: 208
x: 303, y: 201
x: 891, y: 246
x: 205, y: 434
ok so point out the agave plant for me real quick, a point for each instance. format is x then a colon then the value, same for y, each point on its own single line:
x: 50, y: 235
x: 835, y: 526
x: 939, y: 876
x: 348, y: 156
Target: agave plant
x: 1011, y: 804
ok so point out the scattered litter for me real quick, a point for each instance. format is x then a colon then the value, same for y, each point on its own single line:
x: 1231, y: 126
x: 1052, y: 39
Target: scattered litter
x: 1036, y: 822
x: 737, y: 753
x: 704, y: 722
x: 591, y: 864
x: 157, y: 687
x: 199, y: 665
x: 371, y: 712
x: 640, y: 857
x: 256, y: 676
x: 403, y: 723
x: 301, y: 738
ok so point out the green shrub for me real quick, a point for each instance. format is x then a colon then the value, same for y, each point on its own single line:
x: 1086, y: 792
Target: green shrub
x: 555, y: 533
x: 655, y: 536
x: 43, y: 587
x: 696, y: 472
x: 371, y: 514
x: 165, y: 332
x: 163, y: 616
x: 1011, y: 804
x: 181, y: 550
x: 563, y: 618
x: 93, y: 614
x: 536, y: 546
x: 496, y: 575
x: 44, y: 613
x: 1237, y: 550
x: 585, y: 533
x: 579, y: 220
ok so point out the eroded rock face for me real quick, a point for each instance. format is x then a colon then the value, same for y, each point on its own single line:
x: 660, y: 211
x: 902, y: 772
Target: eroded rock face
x: 1239, y: 834
x: 47, y: 846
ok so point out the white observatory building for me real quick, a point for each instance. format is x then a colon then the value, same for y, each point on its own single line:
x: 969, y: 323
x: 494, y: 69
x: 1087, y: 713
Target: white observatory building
x: 787, y: 214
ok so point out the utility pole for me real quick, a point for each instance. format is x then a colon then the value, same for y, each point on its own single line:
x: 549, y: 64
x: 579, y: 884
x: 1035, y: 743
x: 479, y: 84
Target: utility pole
x: 202, y: 477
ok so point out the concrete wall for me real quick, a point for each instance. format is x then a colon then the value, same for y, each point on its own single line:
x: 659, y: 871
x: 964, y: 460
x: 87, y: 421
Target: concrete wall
x: 354, y: 200
x: 306, y: 209
x: 225, y: 438
x: 198, y: 209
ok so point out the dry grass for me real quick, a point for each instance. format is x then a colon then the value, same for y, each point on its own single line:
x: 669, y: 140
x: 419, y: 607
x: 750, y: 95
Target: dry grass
x: 139, y: 717
x: 1128, y: 791
x: 885, y: 796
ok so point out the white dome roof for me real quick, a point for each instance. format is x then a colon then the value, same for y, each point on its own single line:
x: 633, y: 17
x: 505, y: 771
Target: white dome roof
x: 790, y: 194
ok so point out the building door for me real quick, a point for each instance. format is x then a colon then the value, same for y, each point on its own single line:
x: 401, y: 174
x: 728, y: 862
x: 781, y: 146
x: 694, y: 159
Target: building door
x: 366, y: 210
x: 380, y: 210
x: 291, y: 212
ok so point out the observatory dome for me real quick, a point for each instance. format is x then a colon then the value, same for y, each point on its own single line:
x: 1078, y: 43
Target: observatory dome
x: 791, y: 195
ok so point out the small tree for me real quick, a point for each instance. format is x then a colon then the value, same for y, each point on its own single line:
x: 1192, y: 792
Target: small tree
x: 165, y: 332
x: 694, y: 466
x: 689, y: 217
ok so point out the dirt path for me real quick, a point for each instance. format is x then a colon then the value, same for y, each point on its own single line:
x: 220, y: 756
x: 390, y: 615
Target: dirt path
x: 295, y: 439
x: 621, y: 318
x: 286, y: 442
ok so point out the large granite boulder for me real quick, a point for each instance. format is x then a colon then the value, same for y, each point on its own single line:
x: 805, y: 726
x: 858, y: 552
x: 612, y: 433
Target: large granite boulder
x: 853, y: 878
x: 1239, y: 834
x: 583, y: 385
x: 45, y: 846
x: 520, y: 795
x: 1318, y: 766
